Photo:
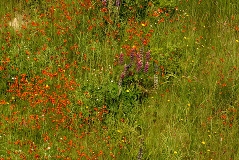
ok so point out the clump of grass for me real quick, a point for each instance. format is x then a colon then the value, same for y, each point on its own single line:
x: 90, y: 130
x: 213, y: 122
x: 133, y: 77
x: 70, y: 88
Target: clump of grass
x: 88, y: 80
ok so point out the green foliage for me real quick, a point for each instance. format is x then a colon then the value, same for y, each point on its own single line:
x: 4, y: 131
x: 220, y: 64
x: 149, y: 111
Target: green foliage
x: 141, y: 8
x: 170, y: 61
x: 117, y: 98
x: 74, y: 82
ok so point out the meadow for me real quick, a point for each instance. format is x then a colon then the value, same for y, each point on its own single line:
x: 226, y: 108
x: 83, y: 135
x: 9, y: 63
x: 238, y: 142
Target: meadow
x: 105, y: 79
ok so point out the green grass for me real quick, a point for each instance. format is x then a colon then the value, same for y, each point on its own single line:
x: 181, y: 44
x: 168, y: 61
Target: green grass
x: 71, y: 88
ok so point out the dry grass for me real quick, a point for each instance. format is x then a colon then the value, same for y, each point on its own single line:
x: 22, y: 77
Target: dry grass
x: 18, y: 21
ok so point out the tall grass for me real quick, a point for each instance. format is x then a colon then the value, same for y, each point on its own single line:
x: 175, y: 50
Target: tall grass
x: 78, y: 79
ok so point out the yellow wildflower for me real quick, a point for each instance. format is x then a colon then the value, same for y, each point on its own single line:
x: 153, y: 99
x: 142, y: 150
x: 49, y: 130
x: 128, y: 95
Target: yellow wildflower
x: 143, y: 24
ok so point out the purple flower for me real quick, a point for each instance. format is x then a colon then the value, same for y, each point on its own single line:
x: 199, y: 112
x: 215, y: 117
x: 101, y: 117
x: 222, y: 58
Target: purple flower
x: 146, y: 67
x: 122, y: 75
x: 132, y: 53
x: 127, y: 67
x: 139, y: 56
x: 139, y: 62
x: 148, y: 55
x: 139, y: 65
x: 121, y: 58
x: 117, y: 3
x: 104, y: 2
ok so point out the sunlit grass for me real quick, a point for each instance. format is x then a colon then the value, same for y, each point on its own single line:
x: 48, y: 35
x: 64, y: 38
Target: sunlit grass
x: 143, y: 80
